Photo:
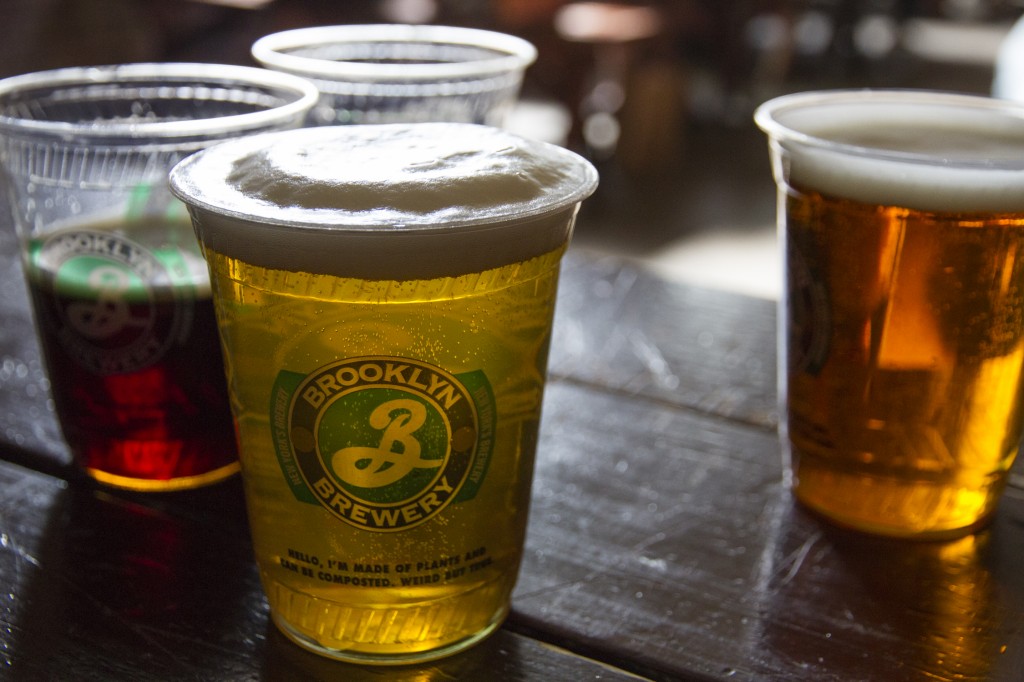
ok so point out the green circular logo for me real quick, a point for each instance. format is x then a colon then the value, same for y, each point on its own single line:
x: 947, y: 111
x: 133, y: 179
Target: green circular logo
x: 113, y: 304
x: 383, y: 443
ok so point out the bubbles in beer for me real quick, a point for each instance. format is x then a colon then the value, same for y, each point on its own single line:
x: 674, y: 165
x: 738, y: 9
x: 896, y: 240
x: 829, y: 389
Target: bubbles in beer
x: 908, y: 418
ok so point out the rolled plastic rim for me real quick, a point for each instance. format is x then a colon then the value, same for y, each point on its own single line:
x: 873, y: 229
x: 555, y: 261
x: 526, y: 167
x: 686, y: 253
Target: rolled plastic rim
x: 974, y: 178
x: 784, y: 119
x: 512, y: 53
x: 165, y: 79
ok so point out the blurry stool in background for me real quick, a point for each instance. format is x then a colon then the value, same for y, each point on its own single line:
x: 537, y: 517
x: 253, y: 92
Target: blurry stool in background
x: 408, y: 11
x: 630, y: 105
x: 546, y: 120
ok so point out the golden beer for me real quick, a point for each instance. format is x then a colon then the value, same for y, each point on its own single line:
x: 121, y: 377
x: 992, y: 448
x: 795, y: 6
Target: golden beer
x: 902, y: 350
x: 411, y: 584
x: 386, y: 373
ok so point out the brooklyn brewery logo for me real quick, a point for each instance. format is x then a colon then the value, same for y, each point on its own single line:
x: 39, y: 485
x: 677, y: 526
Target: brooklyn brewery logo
x: 115, y: 307
x: 383, y: 443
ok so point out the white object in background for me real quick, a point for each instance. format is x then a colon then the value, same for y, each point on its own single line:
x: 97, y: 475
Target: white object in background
x: 1008, y: 81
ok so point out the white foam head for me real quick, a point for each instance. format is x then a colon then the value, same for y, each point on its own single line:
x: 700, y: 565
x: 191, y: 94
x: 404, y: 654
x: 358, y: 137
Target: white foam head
x: 384, y: 201
x: 912, y: 149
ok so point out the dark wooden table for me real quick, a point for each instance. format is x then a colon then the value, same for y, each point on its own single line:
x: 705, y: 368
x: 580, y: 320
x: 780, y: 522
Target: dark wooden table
x: 661, y: 544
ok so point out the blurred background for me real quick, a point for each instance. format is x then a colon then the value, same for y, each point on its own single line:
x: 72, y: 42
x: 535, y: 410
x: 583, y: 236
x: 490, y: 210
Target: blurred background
x: 659, y: 94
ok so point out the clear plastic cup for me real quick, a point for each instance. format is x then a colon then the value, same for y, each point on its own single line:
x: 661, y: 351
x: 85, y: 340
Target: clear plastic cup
x: 385, y: 295
x: 901, y: 364
x: 120, y: 291
x: 391, y: 73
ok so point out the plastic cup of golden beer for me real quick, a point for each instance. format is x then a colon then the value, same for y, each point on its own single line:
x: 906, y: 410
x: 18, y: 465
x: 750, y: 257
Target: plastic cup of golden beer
x: 901, y: 361
x: 385, y: 296
x: 391, y: 73
x: 120, y: 290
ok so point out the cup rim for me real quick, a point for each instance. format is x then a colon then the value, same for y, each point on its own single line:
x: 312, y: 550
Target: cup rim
x: 268, y: 51
x: 580, y: 182
x: 768, y: 117
x: 174, y: 75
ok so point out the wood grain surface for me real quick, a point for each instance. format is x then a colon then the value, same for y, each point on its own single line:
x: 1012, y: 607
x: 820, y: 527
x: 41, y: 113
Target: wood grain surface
x: 661, y: 544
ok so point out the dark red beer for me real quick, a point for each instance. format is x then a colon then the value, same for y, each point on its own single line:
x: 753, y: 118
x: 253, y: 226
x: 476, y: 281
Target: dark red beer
x: 129, y: 336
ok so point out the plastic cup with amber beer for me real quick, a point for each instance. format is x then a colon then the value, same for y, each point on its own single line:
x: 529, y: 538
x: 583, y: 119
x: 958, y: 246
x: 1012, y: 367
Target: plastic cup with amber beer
x: 902, y: 321
x: 385, y: 296
x: 120, y: 291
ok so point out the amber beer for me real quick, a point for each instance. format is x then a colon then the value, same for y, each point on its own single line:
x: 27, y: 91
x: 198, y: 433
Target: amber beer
x: 127, y: 325
x: 903, y: 320
x: 385, y: 297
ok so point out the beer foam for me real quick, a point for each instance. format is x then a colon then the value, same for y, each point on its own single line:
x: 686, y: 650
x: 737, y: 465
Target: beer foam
x: 379, y: 200
x: 913, y: 150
